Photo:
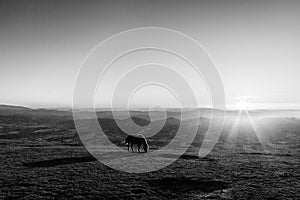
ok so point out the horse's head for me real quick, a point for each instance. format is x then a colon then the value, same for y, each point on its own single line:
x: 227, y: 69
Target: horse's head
x: 146, y: 147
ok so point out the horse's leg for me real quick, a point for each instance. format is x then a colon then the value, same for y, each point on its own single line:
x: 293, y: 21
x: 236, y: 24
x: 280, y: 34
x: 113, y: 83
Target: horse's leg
x: 128, y: 146
x: 132, y: 147
x: 139, y: 146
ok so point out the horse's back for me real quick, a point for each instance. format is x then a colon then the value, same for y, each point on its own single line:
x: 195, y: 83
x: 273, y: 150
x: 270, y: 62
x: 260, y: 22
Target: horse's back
x: 135, y: 139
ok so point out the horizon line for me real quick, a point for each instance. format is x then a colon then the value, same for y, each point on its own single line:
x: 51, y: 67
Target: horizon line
x: 141, y: 108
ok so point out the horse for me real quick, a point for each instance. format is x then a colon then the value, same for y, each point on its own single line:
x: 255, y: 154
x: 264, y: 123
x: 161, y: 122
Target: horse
x: 139, y: 140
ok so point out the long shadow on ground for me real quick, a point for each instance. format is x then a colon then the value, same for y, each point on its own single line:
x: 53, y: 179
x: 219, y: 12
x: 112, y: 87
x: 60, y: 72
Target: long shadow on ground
x: 60, y: 161
x: 81, y: 159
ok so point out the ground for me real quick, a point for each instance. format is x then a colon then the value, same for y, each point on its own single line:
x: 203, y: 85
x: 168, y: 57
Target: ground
x: 46, y: 161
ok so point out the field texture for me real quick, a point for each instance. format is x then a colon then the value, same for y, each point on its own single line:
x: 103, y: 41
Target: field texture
x: 44, y: 159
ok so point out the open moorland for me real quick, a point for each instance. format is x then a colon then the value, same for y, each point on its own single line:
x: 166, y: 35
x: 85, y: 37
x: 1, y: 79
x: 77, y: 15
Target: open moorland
x: 256, y: 157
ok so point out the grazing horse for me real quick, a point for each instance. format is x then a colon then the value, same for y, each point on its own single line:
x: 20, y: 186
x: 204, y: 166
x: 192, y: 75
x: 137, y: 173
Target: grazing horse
x: 139, y: 140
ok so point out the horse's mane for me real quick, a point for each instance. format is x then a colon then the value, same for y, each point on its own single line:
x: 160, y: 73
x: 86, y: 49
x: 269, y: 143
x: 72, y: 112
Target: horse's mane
x: 140, y: 135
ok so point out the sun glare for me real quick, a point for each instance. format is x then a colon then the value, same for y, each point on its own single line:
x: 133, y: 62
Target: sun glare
x: 244, y: 104
x: 245, y: 119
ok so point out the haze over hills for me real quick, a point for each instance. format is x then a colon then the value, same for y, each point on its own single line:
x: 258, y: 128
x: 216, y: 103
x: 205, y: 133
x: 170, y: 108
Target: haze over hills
x: 184, y: 114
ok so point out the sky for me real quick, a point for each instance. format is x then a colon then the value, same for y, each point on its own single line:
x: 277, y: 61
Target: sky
x: 254, y: 44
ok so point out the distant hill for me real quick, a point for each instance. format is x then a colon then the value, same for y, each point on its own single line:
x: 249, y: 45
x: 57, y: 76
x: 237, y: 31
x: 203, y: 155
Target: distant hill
x: 22, y: 122
x: 12, y: 110
x: 41, y: 115
x: 11, y: 119
x: 10, y: 107
x: 137, y: 115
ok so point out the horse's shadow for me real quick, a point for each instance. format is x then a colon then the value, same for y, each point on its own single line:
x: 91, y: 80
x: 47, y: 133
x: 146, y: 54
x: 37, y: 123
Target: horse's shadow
x: 79, y: 159
x: 60, y: 161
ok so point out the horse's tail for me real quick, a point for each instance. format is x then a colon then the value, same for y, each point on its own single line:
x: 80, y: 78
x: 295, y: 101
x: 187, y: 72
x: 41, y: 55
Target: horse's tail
x: 124, y: 141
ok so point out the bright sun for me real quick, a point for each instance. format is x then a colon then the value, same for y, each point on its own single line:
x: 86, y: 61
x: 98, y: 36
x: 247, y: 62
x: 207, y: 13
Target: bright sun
x: 244, y: 104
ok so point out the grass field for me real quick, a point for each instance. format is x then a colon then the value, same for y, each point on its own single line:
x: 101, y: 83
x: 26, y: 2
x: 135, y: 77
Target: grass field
x: 46, y: 160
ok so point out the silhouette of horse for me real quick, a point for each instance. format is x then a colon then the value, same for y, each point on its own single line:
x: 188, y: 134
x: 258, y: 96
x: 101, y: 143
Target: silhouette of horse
x: 139, y: 140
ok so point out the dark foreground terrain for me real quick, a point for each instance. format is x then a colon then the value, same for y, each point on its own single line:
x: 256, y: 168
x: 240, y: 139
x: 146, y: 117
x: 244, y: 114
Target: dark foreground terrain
x: 42, y: 158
